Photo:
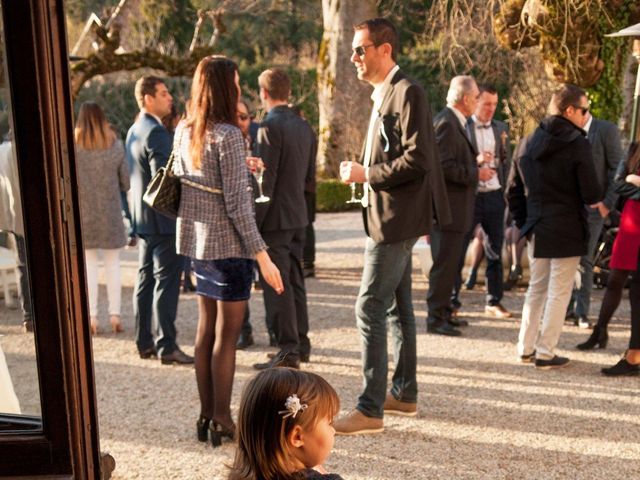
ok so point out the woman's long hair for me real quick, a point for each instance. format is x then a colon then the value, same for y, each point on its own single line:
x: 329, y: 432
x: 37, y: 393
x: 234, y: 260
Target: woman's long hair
x: 214, y: 98
x: 633, y: 159
x: 92, y: 131
x: 263, y: 452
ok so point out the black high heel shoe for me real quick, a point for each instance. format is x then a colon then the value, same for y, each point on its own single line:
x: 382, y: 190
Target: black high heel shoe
x: 599, y: 337
x: 217, y: 431
x: 202, y: 428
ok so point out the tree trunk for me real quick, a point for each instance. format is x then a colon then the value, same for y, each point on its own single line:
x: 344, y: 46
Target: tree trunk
x: 343, y: 100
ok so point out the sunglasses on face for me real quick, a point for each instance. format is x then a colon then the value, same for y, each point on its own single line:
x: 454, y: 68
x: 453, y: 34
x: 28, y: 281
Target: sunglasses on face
x: 361, y: 50
x: 584, y: 110
x: 243, y: 116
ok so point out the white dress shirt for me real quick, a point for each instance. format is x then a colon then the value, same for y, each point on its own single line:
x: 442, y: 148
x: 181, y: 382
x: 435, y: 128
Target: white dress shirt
x: 486, y: 142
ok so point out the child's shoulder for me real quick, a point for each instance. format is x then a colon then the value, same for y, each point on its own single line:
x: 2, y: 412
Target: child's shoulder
x: 311, y: 474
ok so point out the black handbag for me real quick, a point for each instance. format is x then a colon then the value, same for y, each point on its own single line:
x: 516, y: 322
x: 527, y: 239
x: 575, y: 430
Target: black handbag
x: 163, y: 192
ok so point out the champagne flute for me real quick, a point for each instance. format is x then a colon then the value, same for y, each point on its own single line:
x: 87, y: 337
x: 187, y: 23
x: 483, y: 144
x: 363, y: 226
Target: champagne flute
x: 353, y: 198
x: 258, y: 174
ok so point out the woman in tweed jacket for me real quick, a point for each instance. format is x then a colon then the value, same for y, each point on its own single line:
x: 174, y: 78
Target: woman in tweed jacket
x: 102, y: 175
x: 216, y: 227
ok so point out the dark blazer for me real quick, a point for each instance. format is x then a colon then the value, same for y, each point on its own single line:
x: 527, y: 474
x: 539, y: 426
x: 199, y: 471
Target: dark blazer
x: 551, y: 180
x: 288, y: 146
x: 607, y: 154
x: 502, y: 151
x: 148, y: 147
x: 460, y: 169
x: 404, y: 172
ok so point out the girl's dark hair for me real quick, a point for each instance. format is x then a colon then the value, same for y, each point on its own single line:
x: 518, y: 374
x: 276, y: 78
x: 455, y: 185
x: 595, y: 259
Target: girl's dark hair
x: 633, y: 159
x: 92, y: 131
x: 214, y: 98
x: 263, y: 452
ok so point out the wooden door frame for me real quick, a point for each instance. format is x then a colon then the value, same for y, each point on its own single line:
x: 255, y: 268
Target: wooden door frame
x: 36, y: 53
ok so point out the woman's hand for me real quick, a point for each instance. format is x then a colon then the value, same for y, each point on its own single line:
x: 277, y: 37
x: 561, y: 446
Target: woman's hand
x: 255, y: 163
x: 269, y: 271
x: 633, y: 179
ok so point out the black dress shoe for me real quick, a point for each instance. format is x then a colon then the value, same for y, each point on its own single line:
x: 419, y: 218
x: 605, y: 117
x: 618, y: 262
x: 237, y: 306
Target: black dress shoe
x: 457, y: 322
x: 304, y: 357
x: 245, y: 341
x: 150, y: 352
x: 443, y: 328
x: 281, y: 359
x: 176, y: 357
x: 622, y: 368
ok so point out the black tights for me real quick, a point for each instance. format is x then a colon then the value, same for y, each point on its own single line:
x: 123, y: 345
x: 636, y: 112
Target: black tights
x: 613, y: 296
x: 219, y: 326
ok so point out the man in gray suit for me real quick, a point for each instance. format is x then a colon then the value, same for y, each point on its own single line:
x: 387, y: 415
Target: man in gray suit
x: 157, y: 287
x: 287, y: 145
x: 607, y: 153
x: 461, y: 173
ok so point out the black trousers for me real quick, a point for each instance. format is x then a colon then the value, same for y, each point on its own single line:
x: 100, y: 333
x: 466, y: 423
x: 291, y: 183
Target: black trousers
x: 489, y: 213
x: 309, y: 252
x: 288, y: 311
x: 446, y: 248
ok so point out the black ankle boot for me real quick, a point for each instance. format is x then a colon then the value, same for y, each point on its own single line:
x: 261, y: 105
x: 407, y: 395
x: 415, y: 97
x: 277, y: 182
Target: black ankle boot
x: 598, y: 337
x: 217, y: 431
x: 202, y: 428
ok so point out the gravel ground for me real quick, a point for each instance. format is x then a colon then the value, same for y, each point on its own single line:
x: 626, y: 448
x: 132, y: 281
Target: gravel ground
x: 481, y: 414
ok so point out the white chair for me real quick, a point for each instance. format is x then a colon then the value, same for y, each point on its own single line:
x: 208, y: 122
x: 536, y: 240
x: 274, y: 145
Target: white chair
x: 8, y: 264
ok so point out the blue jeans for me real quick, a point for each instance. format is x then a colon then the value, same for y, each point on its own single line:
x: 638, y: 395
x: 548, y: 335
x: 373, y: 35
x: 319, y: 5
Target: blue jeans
x: 582, y: 297
x: 156, y: 292
x: 385, y: 294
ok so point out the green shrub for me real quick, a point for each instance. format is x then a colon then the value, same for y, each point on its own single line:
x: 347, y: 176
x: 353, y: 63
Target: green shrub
x: 332, y: 195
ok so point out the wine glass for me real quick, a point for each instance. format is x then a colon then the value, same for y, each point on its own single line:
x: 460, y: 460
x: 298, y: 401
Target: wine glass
x: 258, y: 174
x: 353, y: 198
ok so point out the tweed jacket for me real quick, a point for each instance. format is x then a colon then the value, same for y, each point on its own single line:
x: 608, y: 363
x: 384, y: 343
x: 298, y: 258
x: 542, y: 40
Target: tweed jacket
x: 102, y: 175
x: 214, y: 226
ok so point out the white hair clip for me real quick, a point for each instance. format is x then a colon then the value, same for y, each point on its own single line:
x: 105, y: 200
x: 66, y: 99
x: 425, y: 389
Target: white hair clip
x: 293, y: 406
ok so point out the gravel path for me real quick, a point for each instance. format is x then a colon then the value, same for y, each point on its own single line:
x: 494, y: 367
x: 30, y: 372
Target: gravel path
x: 481, y: 414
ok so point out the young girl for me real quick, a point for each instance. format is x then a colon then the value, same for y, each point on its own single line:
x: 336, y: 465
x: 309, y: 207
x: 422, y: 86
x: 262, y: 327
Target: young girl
x: 285, y: 427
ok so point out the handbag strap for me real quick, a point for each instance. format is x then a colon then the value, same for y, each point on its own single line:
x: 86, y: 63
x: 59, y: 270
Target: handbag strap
x: 199, y: 186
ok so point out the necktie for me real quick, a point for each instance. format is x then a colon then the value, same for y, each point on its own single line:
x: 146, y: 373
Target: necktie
x: 482, y: 125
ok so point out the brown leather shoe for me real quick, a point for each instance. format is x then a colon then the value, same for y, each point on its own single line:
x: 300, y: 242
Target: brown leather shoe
x: 497, y: 311
x: 176, y: 357
x: 357, y: 423
x: 397, y: 407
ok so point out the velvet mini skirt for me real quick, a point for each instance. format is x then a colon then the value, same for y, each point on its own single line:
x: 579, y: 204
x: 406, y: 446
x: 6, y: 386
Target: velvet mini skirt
x: 228, y: 279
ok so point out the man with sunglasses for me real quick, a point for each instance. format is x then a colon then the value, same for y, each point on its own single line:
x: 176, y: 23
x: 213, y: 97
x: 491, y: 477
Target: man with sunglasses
x: 403, y: 192
x: 607, y: 152
x: 551, y: 180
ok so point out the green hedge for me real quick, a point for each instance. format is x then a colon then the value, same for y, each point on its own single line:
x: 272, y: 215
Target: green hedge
x: 332, y: 195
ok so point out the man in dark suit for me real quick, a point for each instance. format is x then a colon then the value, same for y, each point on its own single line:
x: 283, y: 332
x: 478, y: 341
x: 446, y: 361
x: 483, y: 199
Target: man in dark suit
x: 461, y: 172
x: 148, y: 147
x: 490, y: 138
x: 403, y: 191
x: 287, y: 145
x: 552, y: 178
x: 607, y: 153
